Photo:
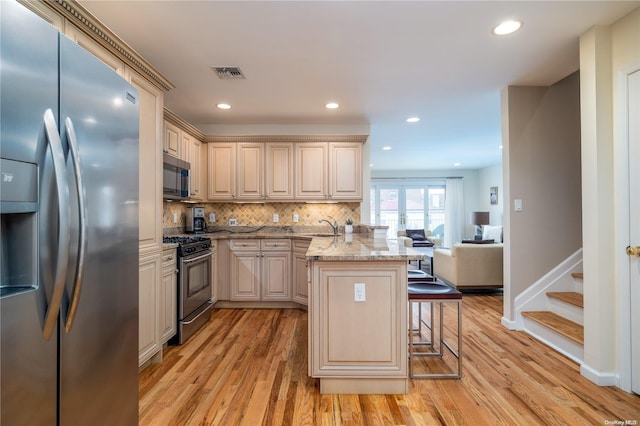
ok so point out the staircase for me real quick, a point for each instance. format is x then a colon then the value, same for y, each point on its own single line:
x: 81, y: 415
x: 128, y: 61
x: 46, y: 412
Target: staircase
x: 553, y: 311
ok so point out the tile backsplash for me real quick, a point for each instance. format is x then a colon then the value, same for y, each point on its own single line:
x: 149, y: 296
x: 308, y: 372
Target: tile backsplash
x: 262, y: 214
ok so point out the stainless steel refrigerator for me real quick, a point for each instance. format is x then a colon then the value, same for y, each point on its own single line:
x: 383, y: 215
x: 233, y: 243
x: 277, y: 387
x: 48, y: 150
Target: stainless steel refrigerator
x: 69, y: 231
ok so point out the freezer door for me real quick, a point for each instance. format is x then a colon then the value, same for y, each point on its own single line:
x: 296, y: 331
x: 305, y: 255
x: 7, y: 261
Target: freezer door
x: 99, y: 343
x: 28, y: 362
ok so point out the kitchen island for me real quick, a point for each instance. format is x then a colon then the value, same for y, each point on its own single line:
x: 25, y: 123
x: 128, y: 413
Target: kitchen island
x: 358, y: 314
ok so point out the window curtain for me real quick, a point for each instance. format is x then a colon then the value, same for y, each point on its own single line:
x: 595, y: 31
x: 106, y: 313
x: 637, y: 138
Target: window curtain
x: 453, y: 212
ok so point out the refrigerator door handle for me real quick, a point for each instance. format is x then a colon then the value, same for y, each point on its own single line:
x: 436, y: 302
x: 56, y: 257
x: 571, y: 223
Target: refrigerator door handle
x: 62, y: 188
x: 82, y: 215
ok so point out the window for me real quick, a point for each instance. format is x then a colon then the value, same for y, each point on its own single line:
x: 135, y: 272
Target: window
x: 407, y: 205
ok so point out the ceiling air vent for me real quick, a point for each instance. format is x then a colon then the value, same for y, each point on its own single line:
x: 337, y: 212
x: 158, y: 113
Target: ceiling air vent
x: 229, y: 73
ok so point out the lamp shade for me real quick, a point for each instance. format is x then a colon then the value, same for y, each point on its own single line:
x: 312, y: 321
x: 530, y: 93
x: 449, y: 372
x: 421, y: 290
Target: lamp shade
x: 479, y: 218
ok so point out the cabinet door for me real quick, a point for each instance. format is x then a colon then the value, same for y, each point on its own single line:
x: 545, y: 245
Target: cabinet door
x: 149, y: 312
x: 245, y: 276
x: 169, y: 309
x: 172, y: 139
x: 279, y: 171
x: 311, y: 171
x: 250, y: 171
x: 221, y: 171
x: 276, y: 276
x: 185, y: 146
x: 345, y: 168
x: 300, y: 274
x: 300, y: 284
x: 195, y: 148
x: 150, y: 100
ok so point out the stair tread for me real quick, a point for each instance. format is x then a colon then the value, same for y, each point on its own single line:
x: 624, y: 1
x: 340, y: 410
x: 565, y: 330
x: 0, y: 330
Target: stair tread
x: 571, y: 297
x: 567, y: 328
x: 577, y: 275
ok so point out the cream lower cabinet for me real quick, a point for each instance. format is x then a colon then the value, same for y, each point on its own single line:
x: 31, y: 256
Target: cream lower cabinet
x: 169, y: 300
x: 300, y: 274
x: 150, y: 300
x: 359, y: 346
x: 260, y: 270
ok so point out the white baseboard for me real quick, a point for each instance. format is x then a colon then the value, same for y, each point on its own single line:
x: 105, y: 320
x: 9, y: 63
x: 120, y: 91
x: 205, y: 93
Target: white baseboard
x: 598, y: 377
x: 508, y: 324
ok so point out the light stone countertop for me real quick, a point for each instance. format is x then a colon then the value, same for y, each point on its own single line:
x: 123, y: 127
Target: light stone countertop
x: 359, y: 247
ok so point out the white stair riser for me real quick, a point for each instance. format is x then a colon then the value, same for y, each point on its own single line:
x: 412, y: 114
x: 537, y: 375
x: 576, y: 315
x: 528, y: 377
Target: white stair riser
x: 567, y: 310
x: 555, y: 340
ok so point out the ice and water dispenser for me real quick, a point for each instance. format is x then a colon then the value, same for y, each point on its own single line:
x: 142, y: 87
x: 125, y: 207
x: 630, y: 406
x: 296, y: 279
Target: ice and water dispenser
x: 19, y: 228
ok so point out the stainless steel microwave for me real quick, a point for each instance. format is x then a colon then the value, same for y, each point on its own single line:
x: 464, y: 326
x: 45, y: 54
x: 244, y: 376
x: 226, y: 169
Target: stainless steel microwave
x: 176, y: 181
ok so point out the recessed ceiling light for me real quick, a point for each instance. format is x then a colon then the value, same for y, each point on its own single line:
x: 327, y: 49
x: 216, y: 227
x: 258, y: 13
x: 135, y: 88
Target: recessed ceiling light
x: 386, y: 148
x: 507, y: 27
x: 332, y: 105
x: 500, y: 147
x: 371, y: 165
x: 224, y: 106
x: 457, y: 164
x: 413, y: 119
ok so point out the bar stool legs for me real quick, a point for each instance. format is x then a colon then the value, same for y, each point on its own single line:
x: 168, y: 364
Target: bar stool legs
x: 421, y: 293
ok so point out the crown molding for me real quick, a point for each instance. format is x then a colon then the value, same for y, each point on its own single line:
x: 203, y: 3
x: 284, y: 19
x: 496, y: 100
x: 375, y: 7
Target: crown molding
x: 92, y: 27
x: 172, y: 118
x: 287, y: 138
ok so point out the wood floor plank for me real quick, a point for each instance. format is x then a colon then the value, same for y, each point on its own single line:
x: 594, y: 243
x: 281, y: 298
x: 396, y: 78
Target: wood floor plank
x: 249, y: 366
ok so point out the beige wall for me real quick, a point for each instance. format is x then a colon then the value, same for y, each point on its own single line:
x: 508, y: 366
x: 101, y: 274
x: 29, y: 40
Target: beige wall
x: 541, y: 165
x: 605, y: 54
x: 487, y: 178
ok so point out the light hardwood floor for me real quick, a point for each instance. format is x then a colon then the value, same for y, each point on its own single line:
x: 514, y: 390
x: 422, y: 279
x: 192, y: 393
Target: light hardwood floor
x: 250, y: 367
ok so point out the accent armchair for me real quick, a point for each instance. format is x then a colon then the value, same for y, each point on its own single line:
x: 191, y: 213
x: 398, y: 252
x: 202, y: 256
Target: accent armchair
x: 418, y: 238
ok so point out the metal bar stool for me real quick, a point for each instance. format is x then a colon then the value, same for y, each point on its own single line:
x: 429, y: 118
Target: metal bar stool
x: 417, y: 275
x: 430, y: 292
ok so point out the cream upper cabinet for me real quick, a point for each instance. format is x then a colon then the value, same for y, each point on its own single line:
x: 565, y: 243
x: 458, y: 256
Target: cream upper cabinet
x: 150, y: 100
x: 345, y: 171
x: 195, y: 159
x: 279, y: 171
x: 311, y: 171
x: 221, y: 171
x: 249, y: 171
x: 172, y: 139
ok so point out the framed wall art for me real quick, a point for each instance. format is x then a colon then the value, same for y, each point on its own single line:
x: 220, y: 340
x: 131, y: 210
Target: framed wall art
x: 493, y: 195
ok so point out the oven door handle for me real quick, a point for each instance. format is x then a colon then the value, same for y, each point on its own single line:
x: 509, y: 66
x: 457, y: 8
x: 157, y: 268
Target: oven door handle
x: 195, y: 259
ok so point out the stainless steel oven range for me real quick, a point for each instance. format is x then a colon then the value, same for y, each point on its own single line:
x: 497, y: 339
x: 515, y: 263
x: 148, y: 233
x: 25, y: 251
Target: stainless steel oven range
x: 194, y: 284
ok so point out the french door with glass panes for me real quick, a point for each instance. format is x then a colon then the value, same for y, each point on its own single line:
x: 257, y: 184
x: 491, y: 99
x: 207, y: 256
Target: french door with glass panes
x: 407, y: 206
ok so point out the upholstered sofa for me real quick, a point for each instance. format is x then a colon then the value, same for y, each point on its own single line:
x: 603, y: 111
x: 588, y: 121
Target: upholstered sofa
x: 468, y: 266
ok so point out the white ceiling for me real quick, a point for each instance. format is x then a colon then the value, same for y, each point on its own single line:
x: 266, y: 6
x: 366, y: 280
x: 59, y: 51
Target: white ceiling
x: 383, y: 61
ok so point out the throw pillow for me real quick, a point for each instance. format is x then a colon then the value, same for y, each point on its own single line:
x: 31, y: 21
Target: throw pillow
x: 416, y: 234
x: 492, y: 233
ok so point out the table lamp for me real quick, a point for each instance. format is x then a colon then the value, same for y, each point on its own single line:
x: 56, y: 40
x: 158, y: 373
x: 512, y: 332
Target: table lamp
x: 478, y: 219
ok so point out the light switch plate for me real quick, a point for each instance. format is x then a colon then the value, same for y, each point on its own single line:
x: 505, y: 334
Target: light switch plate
x: 212, y: 217
x: 233, y: 222
x: 276, y: 218
x: 359, y: 292
x: 296, y: 218
x: 517, y: 205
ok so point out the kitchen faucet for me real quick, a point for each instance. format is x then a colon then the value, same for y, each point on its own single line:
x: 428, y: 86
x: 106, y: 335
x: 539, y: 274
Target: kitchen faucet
x: 334, y: 225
